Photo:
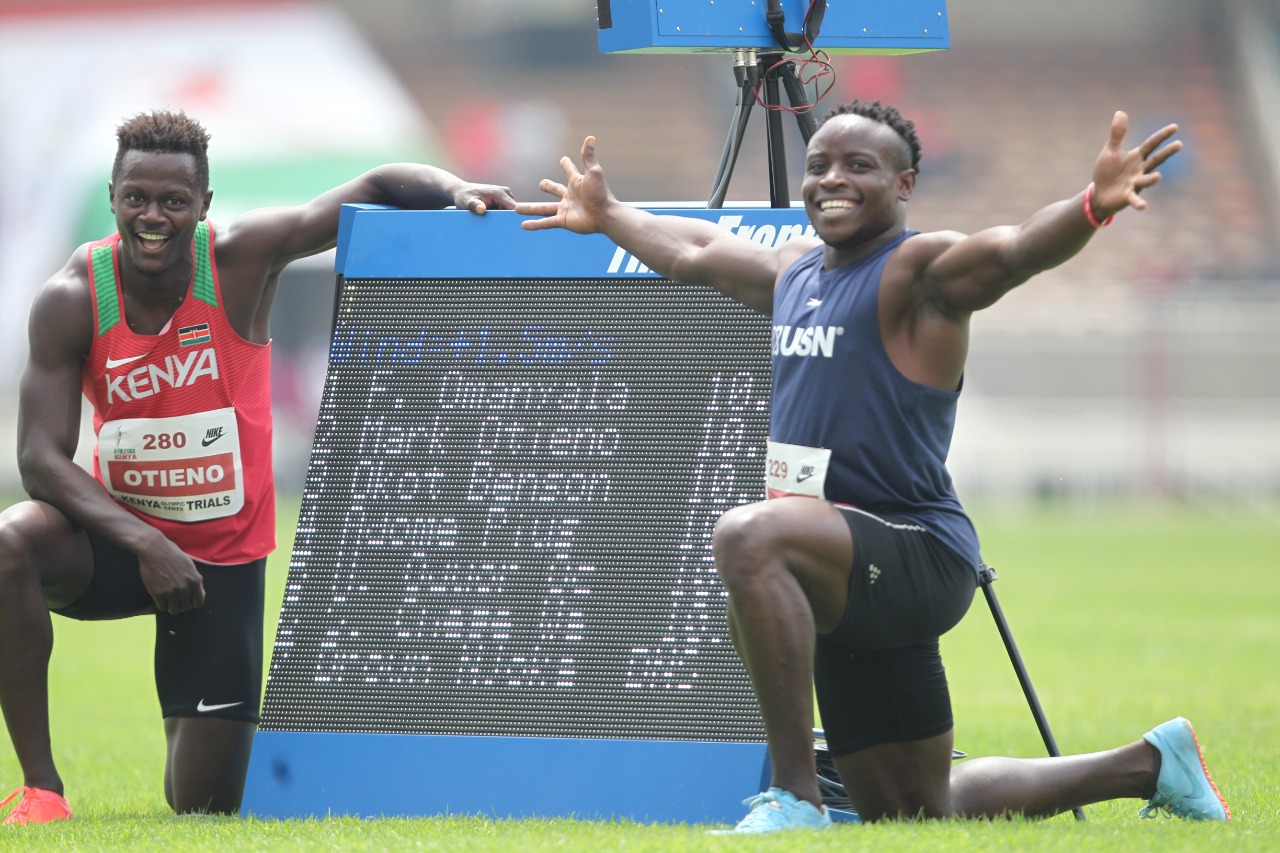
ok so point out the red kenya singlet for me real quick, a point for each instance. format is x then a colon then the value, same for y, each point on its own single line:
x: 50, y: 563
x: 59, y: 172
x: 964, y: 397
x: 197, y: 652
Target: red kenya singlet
x: 183, y: 418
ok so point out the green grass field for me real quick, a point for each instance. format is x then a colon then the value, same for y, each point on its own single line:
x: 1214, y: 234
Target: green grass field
x: 1125, y: 616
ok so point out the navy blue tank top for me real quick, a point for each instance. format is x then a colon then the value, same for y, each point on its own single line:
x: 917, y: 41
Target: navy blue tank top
x: 834, y: 387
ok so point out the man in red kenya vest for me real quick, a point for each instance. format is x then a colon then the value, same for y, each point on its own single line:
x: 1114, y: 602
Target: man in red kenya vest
x: 164, y: 327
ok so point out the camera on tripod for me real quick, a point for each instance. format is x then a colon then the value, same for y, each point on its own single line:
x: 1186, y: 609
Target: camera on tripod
x: 760, y: 35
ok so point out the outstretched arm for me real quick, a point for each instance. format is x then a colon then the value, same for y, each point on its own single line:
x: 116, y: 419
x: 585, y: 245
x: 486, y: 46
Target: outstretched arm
x: 677, y: 247
x: 280, y: 235
x: 971, y: 273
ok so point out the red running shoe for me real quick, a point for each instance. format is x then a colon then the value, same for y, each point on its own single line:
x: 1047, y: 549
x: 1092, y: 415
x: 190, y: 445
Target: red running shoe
x: 37, y: 806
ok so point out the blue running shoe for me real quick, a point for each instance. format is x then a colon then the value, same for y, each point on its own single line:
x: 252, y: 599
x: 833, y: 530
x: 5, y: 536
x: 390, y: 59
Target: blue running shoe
x: 1184, y: 788
x: 776, y: 810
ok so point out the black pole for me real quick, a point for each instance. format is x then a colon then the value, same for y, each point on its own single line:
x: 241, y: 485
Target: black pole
x: 801, y: 106
x: 986, y: 577
x: 779, y: 196
x: 747, y: 74
x: 754, y: 83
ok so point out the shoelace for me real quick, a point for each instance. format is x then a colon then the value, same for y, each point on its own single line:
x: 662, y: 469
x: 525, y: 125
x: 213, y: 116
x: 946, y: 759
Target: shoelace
x: 762, y: 799
x: 30, y: 797
x: 23, y: 791
x: 1170, y: 808
x: 757, y: 805
x: 1154, y: 809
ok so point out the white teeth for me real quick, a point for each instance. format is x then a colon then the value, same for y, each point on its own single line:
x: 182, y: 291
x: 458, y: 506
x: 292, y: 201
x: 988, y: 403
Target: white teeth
x: 145, y: 235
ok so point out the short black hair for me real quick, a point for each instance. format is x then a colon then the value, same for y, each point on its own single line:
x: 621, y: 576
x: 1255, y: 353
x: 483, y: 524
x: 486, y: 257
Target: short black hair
x: 164, y: 132
x: 884, y: 114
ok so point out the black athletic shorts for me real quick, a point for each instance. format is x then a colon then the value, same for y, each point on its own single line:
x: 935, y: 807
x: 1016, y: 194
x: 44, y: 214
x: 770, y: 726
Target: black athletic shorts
x: 879, y: 674
x: 208, y: 661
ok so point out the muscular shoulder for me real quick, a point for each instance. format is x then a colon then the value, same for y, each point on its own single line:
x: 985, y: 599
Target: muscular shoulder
x: 793, y: 250
x: 63, y: 308
x: 904, y: 284
x: 248, y: 252
x: 245, y: 237
x: 908, y: 265
x: 69, y: 286
x: 920, y: 250
x: 266, y: 239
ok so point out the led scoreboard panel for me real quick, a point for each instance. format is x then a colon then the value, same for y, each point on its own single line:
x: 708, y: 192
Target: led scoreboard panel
x: 501, y: 597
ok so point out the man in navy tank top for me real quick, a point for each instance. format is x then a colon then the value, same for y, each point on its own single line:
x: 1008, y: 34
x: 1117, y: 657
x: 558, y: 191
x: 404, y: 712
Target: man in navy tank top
x: 862, y: 556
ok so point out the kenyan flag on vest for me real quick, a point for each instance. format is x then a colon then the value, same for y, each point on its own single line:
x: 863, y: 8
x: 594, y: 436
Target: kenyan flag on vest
x: 189, y: 335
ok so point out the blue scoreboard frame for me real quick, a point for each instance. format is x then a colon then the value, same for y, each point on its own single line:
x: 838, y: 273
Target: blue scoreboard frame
x: 327, y: 767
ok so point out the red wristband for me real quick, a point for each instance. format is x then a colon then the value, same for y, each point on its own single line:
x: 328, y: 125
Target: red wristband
x: 1088, y: 209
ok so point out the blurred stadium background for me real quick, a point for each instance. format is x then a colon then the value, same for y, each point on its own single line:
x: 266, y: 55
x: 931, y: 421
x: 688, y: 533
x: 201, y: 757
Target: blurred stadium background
x: 1148, y: 366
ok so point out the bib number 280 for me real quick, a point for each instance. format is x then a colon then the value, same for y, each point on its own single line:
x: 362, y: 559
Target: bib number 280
x: 164, y: 440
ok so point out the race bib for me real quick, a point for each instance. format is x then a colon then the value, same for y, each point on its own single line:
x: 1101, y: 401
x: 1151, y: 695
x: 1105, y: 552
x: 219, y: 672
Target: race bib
x: 793, y: 469
x: 184, y: 468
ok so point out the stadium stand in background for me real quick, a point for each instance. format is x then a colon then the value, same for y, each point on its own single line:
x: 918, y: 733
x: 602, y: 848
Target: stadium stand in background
x: 1146, y: 364
x: 1006, y: 125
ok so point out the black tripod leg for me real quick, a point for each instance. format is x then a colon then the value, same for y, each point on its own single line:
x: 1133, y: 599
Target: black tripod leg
x: 801, y: 106
x: 746, y: 74
x: 763, y: 73
x: 779, y: 195
x: 986, y: 577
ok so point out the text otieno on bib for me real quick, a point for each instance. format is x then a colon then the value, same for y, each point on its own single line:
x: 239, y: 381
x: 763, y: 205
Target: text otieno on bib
x: 184, y: 468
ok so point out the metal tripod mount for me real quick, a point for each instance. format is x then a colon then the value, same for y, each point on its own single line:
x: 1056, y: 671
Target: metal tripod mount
x: 986, y: 577
x: 834, y: 793
x: 762, y: 73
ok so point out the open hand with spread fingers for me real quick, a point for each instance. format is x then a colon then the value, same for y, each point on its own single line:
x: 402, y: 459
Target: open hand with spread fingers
x: 584, y: 197
x: 1119, y: 175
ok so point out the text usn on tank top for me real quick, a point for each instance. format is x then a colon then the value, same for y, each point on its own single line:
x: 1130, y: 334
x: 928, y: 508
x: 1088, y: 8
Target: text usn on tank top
x: 834, y: 387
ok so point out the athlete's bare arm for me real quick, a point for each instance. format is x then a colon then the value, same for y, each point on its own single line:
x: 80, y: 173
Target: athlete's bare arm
x: 677, y: 247
x: 965, y: 274
x: 285, y: 234
x: 257, y: 245
x: 935, y: 281
x: 60, y: 332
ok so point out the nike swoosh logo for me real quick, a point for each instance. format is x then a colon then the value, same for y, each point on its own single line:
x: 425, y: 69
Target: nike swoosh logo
x: 203, y: 708
x: 800, y: 478
x: 205, y: 442
x: 116, y: 362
